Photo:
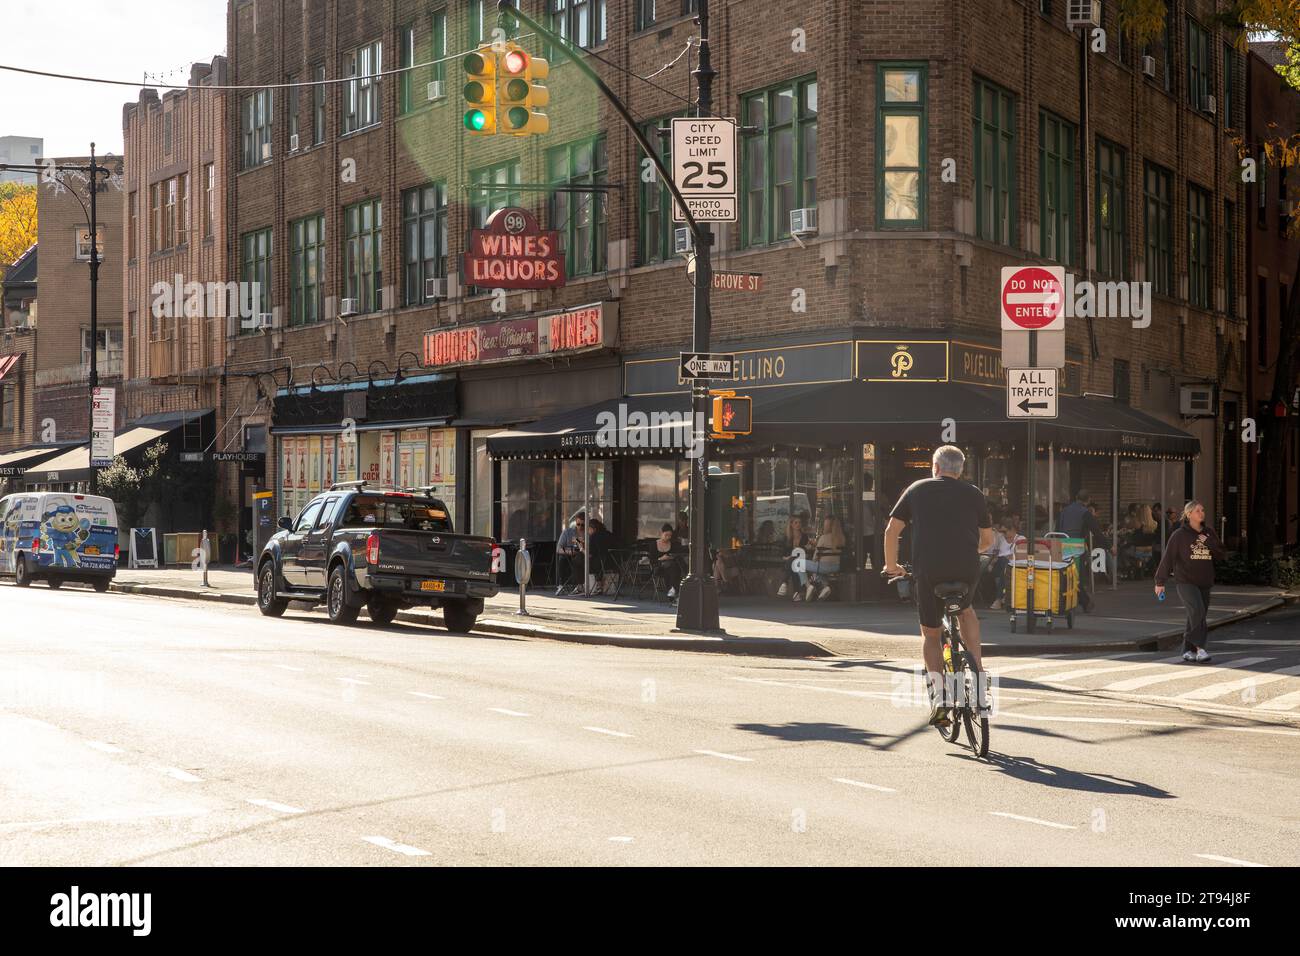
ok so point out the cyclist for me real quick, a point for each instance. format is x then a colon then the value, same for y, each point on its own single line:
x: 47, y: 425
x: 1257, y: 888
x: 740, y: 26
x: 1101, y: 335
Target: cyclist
x: 950, y: 528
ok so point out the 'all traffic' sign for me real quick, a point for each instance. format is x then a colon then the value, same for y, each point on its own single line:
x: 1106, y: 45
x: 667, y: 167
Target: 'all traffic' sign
x: 1031, y: 392
x: 1033, y: 298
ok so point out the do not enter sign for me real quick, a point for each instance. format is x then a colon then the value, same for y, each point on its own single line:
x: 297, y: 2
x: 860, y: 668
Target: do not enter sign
x: 1033, y: 298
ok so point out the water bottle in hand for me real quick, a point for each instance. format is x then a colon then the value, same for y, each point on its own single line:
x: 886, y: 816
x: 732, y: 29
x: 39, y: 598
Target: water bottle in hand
x: 1161, y: 595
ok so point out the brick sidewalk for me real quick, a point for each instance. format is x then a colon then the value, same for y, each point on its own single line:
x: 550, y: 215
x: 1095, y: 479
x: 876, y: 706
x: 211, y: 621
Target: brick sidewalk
x: 1125, y: 618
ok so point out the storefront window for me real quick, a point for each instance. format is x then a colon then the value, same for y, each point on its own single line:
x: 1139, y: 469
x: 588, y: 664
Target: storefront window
x: 770, y: 502
x: 1059, y: 489
x: 480, y: 492
x: 537, y: 497
x: 662, y: 491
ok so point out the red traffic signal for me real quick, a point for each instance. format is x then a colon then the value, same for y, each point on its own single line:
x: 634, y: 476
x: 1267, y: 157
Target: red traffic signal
x: 732, y: 414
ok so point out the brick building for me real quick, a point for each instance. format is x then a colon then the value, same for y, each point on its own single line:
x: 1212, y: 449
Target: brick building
x: 1272, y: 253
x: 936, y: 142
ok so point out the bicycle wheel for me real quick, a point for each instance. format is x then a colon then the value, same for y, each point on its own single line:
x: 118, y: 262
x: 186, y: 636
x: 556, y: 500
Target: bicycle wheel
x: 953, y: 731
x: 977, y: 723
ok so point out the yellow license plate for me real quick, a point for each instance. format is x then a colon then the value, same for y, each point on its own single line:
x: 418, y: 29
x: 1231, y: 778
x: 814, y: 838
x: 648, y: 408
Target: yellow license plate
x: 433, y: 585
x: 93, y: 549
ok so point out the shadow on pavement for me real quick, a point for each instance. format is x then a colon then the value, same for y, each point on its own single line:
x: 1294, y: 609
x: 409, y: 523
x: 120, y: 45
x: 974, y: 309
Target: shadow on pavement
x: 1031, y: 771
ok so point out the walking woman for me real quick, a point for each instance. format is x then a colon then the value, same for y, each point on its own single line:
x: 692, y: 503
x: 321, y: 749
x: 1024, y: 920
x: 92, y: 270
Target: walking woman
x: 1189, y: 557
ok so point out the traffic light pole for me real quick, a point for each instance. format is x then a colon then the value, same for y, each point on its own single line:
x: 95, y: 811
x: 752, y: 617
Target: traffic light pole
x: 697, y: 603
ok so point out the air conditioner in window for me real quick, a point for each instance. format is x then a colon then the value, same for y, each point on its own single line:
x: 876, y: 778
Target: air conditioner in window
x: 803, y: 222
x: 293, y: 143
x: 1149, y: 66
x: 435, y: 91
x: 265, y: 321
x: 348, y: 307
x: 266, y: 150
x: 1083, y: 13
x: 435, y: 289
x: 1210, y: 104
x: 682, y: 244
x: 1196, y: 401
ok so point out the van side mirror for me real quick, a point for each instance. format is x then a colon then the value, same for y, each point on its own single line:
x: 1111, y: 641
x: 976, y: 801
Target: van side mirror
x: 285, y: 523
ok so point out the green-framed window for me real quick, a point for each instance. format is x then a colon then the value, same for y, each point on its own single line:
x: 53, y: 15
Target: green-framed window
x: 779, y: 159
x: 484, y: 201
x: 1229, y: 106
x: 257, y: 112
x: 1229, y: 258
x: 579, y: 217
x: 363, y: 254
x: 1112, y: 211
x: 407, y: 80
x: 901, y: 139
x: 438, y: 46
x: 995, y: 163
x: 1158, y: 228
x: 306, y: 270
x: 424, y: 238
x: 421, y: 64
x: 1198, y: 246
x: 1056, y: 188
x: 255, y: 267
x: 1199, y: 83
x: 656, y: 202
x: 362, y: 104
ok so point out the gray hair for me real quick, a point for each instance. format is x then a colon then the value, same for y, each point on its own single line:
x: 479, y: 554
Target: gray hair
x: 1190, y: 507
x: 950, y: 460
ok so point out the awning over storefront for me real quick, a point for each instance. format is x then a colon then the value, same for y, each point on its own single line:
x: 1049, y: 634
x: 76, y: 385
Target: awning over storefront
x: 415, y: 402
x: 9, y: 361
x: 14, y: 463
x: 74, y: 465
x: 845, y: 413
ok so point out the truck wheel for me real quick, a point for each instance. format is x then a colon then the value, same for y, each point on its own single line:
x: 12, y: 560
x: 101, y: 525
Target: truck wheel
x: 267, y: 602
x: 336, y: 603
x: 22, y: 577
x: 54, y: 582
x: 101, y: 584
x: 381, y: 612
x: 458, y: 618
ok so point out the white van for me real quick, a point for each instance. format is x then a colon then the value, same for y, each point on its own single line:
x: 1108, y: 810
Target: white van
x: 56, y: 536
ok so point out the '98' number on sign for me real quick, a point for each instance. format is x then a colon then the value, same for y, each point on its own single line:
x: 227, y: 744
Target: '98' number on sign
x: 695, y: 171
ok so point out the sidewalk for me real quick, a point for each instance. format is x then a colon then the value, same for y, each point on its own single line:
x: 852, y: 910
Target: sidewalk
x: 1126, y: 619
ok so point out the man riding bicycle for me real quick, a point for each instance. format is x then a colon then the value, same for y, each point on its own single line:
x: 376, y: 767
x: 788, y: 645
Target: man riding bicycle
x: 950, y: 528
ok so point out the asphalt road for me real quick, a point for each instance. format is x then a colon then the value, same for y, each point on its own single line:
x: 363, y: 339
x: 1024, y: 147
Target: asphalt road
x: 138, y: 730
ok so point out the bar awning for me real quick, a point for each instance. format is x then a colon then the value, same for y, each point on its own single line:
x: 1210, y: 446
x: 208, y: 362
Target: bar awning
x: 14, y: 463
x: 844, y: 414
x: 74, y: 464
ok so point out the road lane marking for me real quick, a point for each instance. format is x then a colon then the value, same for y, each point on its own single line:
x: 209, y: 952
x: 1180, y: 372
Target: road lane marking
x: 1263, y: 642
x: 864, y: 786
x: 603, y: 730
x: 1227, y: 859
x: 106, y: 748
x: 1285, y: 702
x: 353, y: 680
x: 718, y: 753
x: 1186, y: 672
x: 402, y: 848
x: 286, y: 667
x: 234, y: 657
x: 422, y: 694
x: 508, y: 712
x: 1041, y: 823
x: 1225, y: 688
x: 620, y: 839
x: 277, y: 807
x: 1063, y: 677
x: 183, y: 775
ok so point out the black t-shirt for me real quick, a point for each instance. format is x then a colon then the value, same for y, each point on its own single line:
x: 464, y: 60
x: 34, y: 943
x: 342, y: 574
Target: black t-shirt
x: 945, y: 515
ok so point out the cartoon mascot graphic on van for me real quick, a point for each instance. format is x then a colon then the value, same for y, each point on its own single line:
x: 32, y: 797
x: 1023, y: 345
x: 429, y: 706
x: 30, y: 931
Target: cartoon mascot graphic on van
x: 62, y: 532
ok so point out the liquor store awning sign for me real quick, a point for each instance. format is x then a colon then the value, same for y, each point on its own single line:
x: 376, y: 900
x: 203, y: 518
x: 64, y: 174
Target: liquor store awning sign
x: 513, y: 252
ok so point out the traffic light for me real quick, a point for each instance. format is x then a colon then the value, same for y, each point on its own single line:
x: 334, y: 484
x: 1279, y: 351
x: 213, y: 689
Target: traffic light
x: 732, y: 414
x: 481, y: 90
x: 521, y: 97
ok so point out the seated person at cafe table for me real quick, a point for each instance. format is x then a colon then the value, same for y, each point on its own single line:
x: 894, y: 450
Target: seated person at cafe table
x: 796, y: 539
x: 825, y: 560
x: 568, y: 555
x: 601, y: 541
x: 665, y: 556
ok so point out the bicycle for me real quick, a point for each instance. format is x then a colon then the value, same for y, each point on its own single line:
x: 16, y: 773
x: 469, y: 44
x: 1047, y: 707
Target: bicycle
x: 971, y: 707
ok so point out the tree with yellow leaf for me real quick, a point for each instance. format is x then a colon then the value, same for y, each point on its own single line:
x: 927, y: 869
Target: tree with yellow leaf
x: 1143, y: 21
x: 17, y: 221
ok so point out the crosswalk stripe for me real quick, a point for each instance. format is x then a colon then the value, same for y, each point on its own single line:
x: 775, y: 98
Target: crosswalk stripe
x: 1066, y: 676
x: 1232, y: 686
x: 1285, y: 702
x: 1051, y: 660
x: 1186, y: 672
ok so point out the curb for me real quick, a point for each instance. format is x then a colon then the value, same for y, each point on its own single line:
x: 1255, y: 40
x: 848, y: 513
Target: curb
x: 746, y: 646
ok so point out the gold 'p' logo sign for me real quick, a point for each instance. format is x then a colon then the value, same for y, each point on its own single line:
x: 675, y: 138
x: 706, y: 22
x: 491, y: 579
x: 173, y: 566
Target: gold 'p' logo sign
x: 900, y: 361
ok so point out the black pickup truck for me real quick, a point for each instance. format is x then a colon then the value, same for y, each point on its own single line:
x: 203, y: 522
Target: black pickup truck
x: 354, y: 547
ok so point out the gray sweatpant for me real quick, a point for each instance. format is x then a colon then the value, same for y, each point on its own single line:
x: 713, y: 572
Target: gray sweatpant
x: 1196, y: 600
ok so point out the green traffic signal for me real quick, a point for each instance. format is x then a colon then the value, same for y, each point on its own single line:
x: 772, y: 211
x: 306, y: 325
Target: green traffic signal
x: 475, y: 120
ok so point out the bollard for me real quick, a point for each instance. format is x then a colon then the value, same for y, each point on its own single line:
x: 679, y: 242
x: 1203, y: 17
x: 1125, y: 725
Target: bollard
x: 523, y: 572
x: 206, y: 549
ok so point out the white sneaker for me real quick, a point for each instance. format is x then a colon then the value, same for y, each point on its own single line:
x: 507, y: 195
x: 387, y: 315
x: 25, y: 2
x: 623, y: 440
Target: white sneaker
x: 1189, y: 656
x: 672, y: 593
x: 1202, y: 657
x: 810, y: 592
x: 784, y: 589
x: 798, y: 596
x: 824, y: 593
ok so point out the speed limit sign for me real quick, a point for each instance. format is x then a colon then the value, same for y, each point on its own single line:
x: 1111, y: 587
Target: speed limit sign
x: 704, y: 167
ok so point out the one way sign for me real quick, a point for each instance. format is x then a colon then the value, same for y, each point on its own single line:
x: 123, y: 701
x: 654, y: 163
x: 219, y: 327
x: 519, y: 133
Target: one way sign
x: 1031, y: 392
x: 697, y: 366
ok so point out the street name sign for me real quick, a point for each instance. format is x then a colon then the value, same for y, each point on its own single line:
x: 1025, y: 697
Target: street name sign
x: 729, y: 281
x: 1031, y: 392
x: 698, y: 366
x: 705, y: 170
x: 1033, y: 298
